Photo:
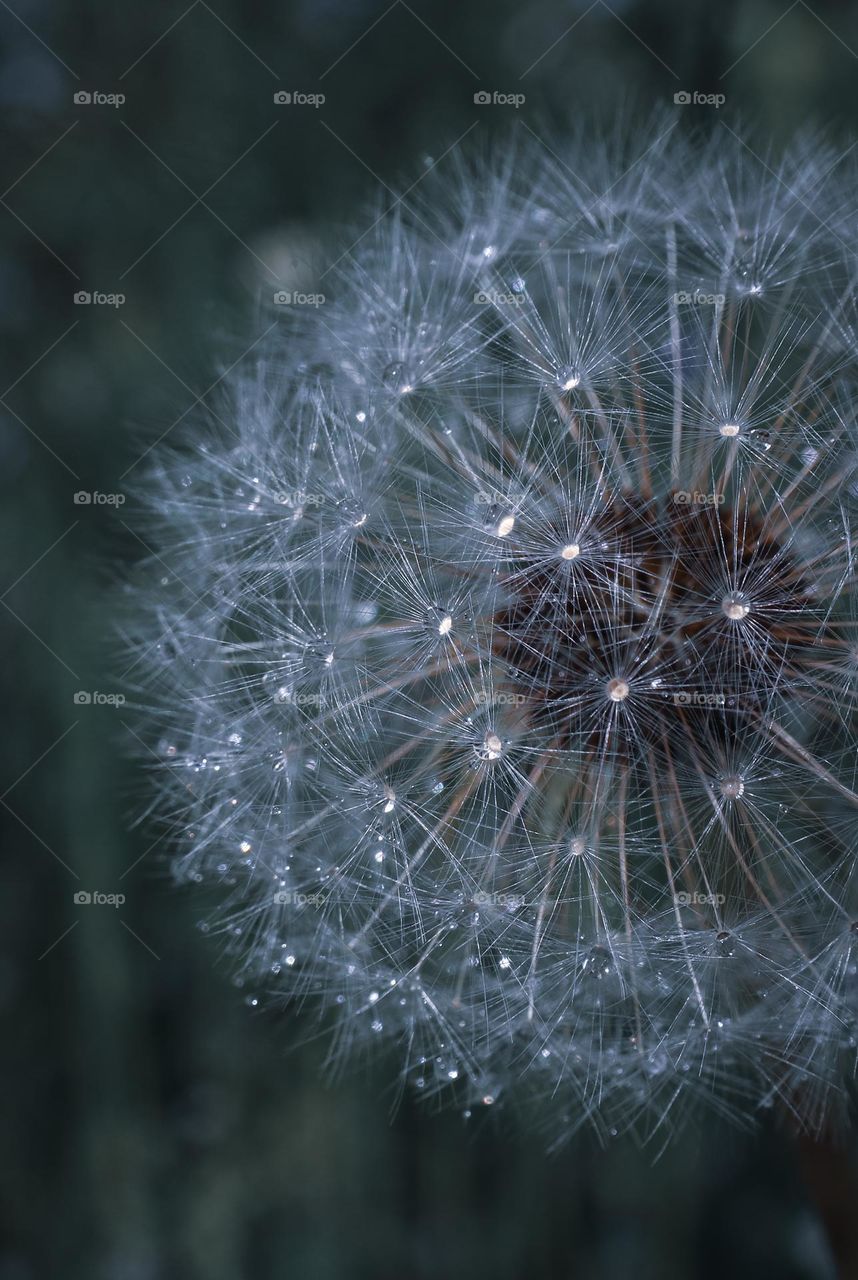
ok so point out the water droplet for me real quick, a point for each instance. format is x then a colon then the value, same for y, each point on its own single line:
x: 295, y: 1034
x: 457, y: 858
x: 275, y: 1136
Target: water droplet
x: 656, y: 1062
x: 732, y: 786
x: 735, y: 606
x: 397, y: 378
x: 492, y: 746
x: 568, y: 378
x: 599, y: 963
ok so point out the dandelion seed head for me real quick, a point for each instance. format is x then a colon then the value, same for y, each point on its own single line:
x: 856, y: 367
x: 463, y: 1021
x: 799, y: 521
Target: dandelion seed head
x: 503, y: 674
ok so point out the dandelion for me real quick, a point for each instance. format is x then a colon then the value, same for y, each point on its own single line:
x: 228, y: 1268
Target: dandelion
x: 505, y: 666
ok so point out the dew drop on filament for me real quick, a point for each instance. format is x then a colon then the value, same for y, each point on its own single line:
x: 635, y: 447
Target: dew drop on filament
x: 732, y: 786
x: 735, y: 606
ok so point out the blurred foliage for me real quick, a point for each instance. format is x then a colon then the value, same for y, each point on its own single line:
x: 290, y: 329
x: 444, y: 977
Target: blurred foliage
x: 156, y: 1127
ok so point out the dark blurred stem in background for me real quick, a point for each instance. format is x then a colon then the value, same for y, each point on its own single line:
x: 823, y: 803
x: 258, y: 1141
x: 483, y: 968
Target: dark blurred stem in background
x: 831, y: 1181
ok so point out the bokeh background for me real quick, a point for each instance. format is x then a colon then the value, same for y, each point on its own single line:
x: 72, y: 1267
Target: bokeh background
x: 154, y: 1125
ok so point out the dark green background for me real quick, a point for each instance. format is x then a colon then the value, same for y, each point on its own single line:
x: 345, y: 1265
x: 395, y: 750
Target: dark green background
x: 154, y: 1126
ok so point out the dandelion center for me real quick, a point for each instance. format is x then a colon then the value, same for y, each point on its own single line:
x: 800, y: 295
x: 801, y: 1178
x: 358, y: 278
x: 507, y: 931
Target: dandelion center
x: 618, y: 689
x: 732, y: 786
x: 735, y: 606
